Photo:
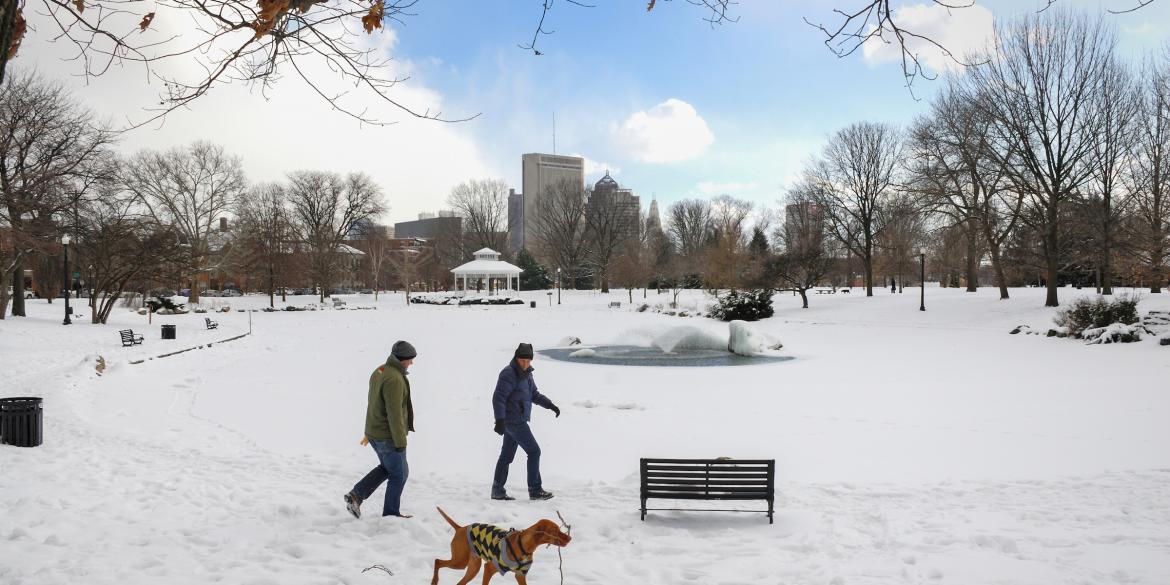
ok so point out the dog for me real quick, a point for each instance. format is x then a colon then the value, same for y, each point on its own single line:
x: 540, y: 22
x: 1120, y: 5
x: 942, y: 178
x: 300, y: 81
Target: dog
x: 504, y: 550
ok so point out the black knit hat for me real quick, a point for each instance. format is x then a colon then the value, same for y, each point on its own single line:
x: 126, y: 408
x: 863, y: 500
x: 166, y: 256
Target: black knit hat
x: 524, y: 351
x: 403, y: 351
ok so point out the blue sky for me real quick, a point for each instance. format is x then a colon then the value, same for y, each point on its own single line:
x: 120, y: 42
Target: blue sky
x: 767, y: 88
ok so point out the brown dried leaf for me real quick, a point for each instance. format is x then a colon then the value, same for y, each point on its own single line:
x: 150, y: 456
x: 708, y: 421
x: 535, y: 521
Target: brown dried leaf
x: 270, y: 12
x: 373, y: 18
x: 18, y: 30
x: 80, y: 5
x: 146, y: 20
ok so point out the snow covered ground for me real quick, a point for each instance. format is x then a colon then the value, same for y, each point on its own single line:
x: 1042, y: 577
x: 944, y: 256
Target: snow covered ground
x: 911, y: 447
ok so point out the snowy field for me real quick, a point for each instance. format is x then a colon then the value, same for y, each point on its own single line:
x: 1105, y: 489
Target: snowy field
x: 911, y: 447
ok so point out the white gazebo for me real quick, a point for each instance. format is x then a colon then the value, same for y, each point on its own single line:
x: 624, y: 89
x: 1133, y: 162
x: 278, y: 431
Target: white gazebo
x: 488, y: 267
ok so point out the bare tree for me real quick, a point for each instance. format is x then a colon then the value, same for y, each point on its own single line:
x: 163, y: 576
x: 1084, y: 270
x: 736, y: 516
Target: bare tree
x: 188, y: 189
x: 326, y: 207
x: 265, y: 233
x: 955, y: 171
x: 1112, y: 149
x: 805, y: 255
x: 690, y: 226
x: 1150, y: 174
x: 408, y: 266
x: 122, y: 247
x: 560, y: 229
x: 726, y: 255
x: 608, y: 226
x: 850, y: 182
x: 50, y: 148
x: 483, y: 204
x: 378, y: 251
x: 1043, y: 85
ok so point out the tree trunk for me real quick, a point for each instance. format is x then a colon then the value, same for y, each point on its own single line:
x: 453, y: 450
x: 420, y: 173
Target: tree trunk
x: 193, y: 294
x: 803, y: 298
x: 1052, y: 266
x: 868, y: 263
x: 972, y: 258
x: 18, y: 289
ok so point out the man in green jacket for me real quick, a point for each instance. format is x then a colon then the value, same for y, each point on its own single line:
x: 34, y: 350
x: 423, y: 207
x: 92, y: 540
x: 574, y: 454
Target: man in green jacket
x: 389, y: 416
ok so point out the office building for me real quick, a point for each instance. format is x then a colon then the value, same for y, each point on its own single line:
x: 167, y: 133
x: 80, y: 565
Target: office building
x: 541, y: 173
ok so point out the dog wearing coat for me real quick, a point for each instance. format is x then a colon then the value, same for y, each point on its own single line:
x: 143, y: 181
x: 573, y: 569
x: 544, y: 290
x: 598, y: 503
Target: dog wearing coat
x: 503, y: 551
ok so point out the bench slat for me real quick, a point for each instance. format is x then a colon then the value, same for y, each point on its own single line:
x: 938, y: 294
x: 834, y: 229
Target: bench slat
x: 714, y: 474
x: 703, y: 481
x: 704, y: 468
x: 692, y: 496
x: 714, y: 489
x: 710, y: 461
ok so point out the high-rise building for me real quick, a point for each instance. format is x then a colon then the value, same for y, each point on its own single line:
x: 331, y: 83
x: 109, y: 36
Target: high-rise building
x: 515, y: 220
x: 653, y: 219
x: 428, y: 226
x: 625, y: 207
x: 540, y: 173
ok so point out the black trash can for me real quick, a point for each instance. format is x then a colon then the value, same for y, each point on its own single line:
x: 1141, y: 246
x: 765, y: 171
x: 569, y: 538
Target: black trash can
x: 168, y: 331
x: 21, y: 420
x: 532, y: 304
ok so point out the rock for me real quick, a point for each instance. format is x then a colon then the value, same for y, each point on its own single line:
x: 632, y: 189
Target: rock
x: 142, y: 311
x: 1019, y: 329
x: 1165, y: 340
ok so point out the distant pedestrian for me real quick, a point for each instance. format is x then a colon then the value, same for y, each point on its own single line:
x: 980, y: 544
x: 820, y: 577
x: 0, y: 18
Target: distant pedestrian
x: 512, y: 404
x: 389, y: 417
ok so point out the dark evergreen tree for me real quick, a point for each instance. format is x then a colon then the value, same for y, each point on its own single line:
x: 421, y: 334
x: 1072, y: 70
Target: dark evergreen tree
x: 758, y: 247
x: 534, y: 277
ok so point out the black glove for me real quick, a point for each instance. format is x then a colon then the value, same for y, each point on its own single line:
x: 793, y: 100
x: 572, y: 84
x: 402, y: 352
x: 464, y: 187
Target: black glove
x: 400, y: 449
x: 556, y: 410
x: 499, y: 427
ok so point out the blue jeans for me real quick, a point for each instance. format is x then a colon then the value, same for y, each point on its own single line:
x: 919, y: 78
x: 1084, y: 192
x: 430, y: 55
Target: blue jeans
x: 517, y: 435
x: 393, y: 470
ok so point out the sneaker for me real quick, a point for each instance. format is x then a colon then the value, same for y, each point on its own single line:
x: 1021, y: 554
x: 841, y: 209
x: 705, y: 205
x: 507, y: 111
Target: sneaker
x: 541, y: 495
x: 504, y: 497
x: 353, y: 504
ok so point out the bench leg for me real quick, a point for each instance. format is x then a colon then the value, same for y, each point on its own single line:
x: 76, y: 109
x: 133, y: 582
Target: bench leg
x: 770, y: 513
x: 643, y: 510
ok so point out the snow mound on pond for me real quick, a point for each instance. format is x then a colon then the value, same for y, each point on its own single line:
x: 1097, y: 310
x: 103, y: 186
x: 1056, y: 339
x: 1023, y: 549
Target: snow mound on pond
x: 687, y: 337
x: 583, y: 353
x: 570, y: 340
x: 743, y: 340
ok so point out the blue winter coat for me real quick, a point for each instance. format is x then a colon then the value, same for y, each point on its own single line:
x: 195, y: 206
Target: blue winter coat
x: 515, y: 393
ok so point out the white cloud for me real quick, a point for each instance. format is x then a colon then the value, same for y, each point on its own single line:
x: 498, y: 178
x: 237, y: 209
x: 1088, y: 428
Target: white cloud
x: 713, y: 188
x: 597, y: 169
x: 960, y: 30
x: 670, y: 131
x: 416, y: 162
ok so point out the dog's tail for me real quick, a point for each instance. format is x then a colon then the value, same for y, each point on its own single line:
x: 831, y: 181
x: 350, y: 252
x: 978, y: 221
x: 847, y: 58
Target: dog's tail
x: 448, y: 519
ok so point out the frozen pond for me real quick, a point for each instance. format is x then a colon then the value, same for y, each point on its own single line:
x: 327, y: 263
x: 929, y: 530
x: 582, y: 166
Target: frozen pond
x: 632, y: 355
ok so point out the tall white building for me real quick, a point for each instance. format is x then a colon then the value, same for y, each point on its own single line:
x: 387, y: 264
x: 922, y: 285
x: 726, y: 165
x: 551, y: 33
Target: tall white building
x: 541, y: 172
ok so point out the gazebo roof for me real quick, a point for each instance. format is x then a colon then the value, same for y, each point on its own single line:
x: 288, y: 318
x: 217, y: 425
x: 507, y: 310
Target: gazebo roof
x: 487, y: 267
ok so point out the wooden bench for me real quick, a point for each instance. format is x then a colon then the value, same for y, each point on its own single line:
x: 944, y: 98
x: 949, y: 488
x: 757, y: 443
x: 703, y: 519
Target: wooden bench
x: 338, y: 303
x: 826, y: 291
x: 129, y: 338
x: 210, y: 324
x: 709, y: 479
x: 615, y: 305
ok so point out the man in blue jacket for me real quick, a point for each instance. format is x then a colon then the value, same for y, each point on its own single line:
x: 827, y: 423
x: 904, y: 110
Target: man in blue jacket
x: 512, y: 404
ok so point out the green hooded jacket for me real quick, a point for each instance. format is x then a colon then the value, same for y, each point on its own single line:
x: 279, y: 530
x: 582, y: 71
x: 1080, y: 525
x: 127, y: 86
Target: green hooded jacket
x: 389, y: 412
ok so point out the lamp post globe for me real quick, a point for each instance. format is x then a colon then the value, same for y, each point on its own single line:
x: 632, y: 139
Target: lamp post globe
x: 65, y: 239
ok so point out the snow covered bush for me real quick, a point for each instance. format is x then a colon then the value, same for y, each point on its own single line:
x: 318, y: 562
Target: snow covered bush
x: 751, y: 305
x: 1114, y: 333
x: 1084, y: 314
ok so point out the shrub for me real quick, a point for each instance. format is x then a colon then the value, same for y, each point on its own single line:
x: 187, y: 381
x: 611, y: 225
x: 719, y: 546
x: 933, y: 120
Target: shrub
x: 750, y: 305
x: 1096, y: 313
x: 160, y: 303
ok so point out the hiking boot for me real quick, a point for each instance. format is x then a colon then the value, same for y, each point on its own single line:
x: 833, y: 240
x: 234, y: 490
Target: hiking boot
x: 541, y: 495
x: 353, y: 504
x: 504, y: 497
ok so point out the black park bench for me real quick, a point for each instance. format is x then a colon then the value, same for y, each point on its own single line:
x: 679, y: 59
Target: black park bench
x: 210, y: 324
x: 129, y: 338
x: 709, y: 479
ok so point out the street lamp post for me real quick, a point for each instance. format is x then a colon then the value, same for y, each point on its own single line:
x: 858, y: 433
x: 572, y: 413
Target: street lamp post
x: 558, y: 286
x: 922, y: 263
x: 65, y: 239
